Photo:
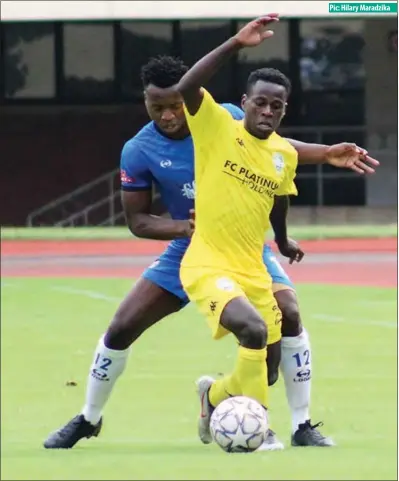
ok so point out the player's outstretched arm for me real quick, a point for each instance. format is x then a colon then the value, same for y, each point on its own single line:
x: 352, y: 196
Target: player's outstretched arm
x: 137, y: 207
x: 250, y: 36
x: 344, y: 155
x: 278, y: 219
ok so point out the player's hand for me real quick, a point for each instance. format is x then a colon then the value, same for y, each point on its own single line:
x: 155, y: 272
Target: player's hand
x: 291, y: 249
x: 190, y: 224
x: 350, y: 156
x: 256, y: 31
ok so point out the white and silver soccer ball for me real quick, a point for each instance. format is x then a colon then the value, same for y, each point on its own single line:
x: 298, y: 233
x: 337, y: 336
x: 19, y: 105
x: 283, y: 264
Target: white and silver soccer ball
x: 239, y: 425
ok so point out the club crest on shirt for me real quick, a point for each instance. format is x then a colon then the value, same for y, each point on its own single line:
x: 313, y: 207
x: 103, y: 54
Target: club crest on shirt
x: 278, y: 161
x: 188, y: 190
x: 225, y: 284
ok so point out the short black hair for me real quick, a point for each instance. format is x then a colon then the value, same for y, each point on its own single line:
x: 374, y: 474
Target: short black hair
x: 163, y: 71
x: 271, y: 75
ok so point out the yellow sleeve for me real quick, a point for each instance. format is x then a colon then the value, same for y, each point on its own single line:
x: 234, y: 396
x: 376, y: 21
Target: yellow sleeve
x: 208, y: 121
x: 288, y: 186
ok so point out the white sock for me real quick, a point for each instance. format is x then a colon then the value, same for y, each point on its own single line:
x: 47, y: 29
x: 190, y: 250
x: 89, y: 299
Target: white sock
x: 107, y: 366
x: 296, y: 367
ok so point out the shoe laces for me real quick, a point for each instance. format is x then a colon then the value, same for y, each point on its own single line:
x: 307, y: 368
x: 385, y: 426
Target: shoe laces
x: 313, y: 428
x: 66, y: 430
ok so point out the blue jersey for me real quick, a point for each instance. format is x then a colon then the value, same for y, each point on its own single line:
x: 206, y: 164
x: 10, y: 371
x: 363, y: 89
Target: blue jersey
x: 150, y: 157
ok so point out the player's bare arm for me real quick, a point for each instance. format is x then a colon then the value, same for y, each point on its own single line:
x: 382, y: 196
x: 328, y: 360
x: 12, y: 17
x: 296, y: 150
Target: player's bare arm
x: 137, y: 208
x: 278, y: 219
x: 157, y: 207
x: 250, y: 36
x: 344, y: 155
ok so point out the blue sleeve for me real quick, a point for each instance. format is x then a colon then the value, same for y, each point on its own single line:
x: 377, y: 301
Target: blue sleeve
x: 134, y: 171
x: 235, y: 111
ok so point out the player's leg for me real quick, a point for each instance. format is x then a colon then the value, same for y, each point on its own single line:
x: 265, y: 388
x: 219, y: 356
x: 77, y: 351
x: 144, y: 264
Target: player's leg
x: 296, y: 357
x: 147, y: 303
x: 249, y: 377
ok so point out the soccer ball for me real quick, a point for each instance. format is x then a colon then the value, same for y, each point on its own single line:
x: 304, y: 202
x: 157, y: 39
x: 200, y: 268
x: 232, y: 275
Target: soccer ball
x: 239, y: 425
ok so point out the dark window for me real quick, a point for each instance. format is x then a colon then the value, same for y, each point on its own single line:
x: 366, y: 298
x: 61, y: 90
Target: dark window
x: 332, y: 72
x: 333, y: 108
x: 347, y: 190
x: 307, y: 191
x: 88, y: 60
x: 332, y: 54
x: 200, y: 37
x: 29, y: 60
x: 273, y: 53
x: 355, y: 135
x: 140, y: 41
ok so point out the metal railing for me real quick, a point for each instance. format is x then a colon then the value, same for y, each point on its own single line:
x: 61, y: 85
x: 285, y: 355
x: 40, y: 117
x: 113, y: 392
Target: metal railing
x: 102, y: 205
x: 67, y: 209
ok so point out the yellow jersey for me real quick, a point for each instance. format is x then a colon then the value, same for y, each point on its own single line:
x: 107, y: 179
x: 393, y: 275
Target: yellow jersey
x: 237, y: 176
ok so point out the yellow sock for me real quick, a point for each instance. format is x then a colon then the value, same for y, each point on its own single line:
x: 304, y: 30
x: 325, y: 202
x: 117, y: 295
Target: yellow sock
x: 249, y: 378
x: 251, y: 373
x: 223, y: 389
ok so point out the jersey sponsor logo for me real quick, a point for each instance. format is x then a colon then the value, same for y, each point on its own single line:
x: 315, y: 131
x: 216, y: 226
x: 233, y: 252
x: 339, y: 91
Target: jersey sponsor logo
x: 165, y: 163
x: 126, y: 178
x: 278, y: 161
x: 225, y: 284
x: 188, y: 190
x: 255, y: 182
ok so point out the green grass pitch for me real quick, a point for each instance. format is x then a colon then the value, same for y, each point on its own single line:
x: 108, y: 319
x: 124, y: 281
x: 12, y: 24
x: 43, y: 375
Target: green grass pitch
x: 49, y: 331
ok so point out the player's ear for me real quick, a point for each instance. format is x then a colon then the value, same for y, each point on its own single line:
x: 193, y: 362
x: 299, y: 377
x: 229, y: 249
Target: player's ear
x: 243, y: 100
x: 284, y: 109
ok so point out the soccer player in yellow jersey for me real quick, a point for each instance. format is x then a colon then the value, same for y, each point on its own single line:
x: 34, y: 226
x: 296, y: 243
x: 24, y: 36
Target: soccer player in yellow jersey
x: 239, y: 168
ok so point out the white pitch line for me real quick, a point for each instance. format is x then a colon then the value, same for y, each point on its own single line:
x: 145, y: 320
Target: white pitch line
x: 90, y: 294
x: 320, y: 317
x: 366, y: 322
x: 9, y: 284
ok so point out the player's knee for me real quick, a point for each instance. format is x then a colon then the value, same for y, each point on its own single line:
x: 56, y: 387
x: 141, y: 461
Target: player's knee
x: 272, y: 376
x: 254, y: 333
x: 291, y: 324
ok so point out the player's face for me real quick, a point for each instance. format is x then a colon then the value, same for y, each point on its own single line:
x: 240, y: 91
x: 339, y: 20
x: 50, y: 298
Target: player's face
x: 264, y: 107
x: 165, y: 108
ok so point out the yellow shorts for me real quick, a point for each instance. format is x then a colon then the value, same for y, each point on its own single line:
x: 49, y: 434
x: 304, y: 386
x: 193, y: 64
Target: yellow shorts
x: 211, y: 290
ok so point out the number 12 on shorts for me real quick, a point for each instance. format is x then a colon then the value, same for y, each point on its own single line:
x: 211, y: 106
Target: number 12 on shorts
x: 303, y: 360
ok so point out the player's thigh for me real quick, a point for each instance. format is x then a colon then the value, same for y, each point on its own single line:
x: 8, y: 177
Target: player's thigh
x: 211, y: 291
x: 242, y: 319
x: 165, y: 273
x: 280, y: 279
x: 261, y: 296
x: 145, y: 304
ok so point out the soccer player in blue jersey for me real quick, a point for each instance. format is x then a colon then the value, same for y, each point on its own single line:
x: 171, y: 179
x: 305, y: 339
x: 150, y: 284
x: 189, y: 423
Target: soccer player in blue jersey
x: 162, y: 154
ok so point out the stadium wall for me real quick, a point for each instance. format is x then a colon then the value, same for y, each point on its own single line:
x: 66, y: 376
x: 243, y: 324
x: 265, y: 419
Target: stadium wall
x: 52, y: 149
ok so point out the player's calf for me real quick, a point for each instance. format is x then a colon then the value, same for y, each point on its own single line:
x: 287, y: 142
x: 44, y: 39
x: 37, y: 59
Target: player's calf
x: 273, y: 362
x: 288, y: 304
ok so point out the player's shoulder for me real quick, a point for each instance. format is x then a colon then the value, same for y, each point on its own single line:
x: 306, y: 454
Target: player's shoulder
x: 139, y: 143
x: 235, y: 111
x: 281, y: 145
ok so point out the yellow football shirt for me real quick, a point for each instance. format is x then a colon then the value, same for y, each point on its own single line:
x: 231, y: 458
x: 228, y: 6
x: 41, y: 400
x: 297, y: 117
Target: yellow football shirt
x: 236, y: 176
